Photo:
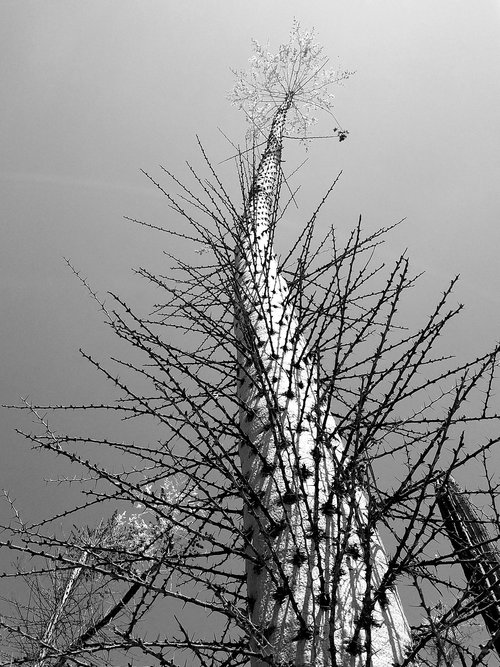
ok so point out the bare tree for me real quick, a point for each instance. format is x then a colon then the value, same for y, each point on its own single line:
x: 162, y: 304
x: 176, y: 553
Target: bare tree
x: 300, y: 423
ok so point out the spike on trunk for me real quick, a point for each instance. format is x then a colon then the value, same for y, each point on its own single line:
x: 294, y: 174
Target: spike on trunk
x: 306, y: 567
x: 476, y: 552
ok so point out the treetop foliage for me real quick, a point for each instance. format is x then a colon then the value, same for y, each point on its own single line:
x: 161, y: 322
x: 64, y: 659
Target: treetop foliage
x: 298, y: 71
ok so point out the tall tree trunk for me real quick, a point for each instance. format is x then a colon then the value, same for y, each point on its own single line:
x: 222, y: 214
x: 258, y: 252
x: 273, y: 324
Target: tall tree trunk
x: 310, y: 547
x: 47, y: 637
x: 476, y: 551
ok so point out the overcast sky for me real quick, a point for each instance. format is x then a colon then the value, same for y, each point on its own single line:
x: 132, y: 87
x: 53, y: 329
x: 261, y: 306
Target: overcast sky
x: 93, y: 91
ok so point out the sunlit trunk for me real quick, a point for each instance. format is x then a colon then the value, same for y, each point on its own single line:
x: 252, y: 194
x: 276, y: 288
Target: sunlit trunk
x: 309, y: 553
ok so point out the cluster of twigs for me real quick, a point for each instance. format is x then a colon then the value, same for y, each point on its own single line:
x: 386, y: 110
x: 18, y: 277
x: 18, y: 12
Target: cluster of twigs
x: 405, y: 415
x: 167, y: 579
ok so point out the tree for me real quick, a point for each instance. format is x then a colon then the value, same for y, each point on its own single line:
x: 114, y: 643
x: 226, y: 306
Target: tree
x: 476, y: 551
x: 283, y: 388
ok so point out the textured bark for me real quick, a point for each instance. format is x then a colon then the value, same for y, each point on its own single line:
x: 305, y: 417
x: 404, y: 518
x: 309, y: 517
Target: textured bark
x: 309, y: 553
x: 476, y: 552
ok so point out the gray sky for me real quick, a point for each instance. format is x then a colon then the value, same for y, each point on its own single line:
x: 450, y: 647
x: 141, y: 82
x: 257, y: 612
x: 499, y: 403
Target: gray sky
x: 92, y: 91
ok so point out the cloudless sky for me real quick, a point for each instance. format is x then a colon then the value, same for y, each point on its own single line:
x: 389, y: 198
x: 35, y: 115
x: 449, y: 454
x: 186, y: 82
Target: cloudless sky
x: 93, y: 91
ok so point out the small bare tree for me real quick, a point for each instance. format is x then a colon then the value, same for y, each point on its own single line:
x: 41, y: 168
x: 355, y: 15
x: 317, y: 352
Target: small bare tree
x: 301, y: 423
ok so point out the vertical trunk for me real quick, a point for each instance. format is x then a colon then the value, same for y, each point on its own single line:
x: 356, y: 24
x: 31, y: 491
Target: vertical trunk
x: 307, y: 570
x: 59, y: 610
x: 475, y: 551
